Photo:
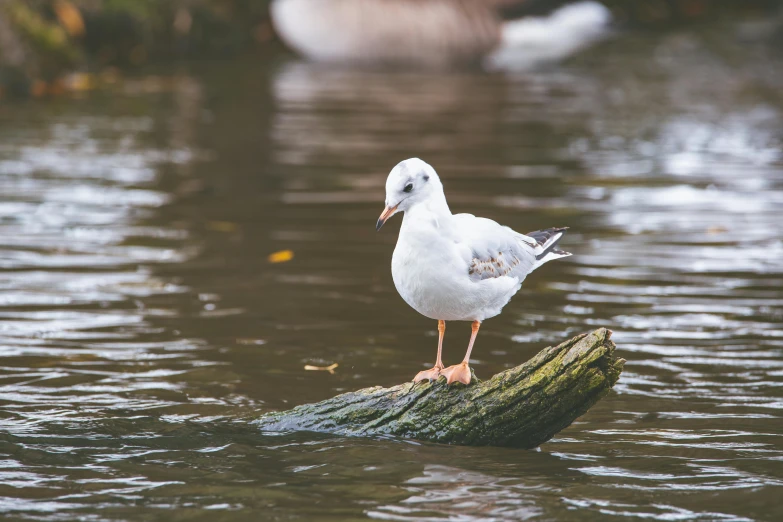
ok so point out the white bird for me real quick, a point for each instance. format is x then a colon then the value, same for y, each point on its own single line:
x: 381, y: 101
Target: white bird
x: 455, y: 267
x: 437, y: 33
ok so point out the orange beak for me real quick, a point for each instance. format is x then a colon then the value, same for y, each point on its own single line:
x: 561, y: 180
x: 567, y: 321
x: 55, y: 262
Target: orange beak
x: 388, y: 211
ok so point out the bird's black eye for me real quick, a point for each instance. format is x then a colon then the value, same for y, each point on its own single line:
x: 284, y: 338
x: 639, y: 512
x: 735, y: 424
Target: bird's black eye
x: 408, y: 187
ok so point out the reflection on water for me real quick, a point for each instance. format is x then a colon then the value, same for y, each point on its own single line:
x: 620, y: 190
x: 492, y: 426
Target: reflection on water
x: 141, y: 326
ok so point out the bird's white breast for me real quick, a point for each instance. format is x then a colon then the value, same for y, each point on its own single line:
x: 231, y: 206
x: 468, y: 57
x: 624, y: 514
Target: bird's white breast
x: 423, y: 283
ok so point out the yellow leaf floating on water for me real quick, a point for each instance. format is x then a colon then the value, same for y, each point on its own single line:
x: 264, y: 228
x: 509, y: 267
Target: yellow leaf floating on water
x: 281, y: 256
x: 329, y: 368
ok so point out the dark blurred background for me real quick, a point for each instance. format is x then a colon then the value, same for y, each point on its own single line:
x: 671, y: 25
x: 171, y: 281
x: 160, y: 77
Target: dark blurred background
x: 48, y: 47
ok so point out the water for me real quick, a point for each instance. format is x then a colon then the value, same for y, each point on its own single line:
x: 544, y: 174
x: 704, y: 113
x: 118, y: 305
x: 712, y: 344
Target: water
x: 142, y: 328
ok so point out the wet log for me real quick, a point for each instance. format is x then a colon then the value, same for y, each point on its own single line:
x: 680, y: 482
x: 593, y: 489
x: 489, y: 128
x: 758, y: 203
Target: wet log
x: 521, y: 407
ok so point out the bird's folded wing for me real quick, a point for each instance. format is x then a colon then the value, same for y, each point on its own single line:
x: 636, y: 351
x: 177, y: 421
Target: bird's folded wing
x: 492, y: 250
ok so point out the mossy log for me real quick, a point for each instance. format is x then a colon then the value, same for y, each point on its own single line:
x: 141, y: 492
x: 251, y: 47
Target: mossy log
x: 521, y: 407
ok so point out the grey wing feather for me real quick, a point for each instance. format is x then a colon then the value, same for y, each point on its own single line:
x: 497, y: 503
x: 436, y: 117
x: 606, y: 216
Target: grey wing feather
x: 510, y: 261
x: 496, y: 251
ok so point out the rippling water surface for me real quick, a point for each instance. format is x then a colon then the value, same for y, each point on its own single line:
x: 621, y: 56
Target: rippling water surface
x: 142, y: 327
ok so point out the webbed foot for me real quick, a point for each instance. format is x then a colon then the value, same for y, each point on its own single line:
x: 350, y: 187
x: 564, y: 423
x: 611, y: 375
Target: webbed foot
x: 457, y: 373
x: 432, y: 374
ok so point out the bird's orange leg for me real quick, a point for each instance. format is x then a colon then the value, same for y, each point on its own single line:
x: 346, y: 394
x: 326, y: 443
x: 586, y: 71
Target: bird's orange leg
x: 461, y: 372
x: 434, y: 373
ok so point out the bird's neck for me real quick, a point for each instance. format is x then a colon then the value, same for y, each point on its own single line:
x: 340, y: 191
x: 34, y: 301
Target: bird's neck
x: 434, y: 208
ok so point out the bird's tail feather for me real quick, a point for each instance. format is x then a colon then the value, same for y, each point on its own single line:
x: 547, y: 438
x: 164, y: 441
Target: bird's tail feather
x: 546, y: 241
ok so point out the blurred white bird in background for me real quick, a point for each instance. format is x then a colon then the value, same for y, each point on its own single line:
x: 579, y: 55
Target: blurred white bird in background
x: 436, y: 33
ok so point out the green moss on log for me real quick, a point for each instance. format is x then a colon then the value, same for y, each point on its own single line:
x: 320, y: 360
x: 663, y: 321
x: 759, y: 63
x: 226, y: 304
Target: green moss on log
x: 521, y: 407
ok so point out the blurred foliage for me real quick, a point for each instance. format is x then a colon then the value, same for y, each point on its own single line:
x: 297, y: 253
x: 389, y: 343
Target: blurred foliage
x: 41, y: 41
x: 45, y: 36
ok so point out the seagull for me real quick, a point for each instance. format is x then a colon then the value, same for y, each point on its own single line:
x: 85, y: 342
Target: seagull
x: 455, y: 267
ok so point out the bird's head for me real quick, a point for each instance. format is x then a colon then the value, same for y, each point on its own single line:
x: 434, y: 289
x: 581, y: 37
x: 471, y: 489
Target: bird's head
x: 410, y: 182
